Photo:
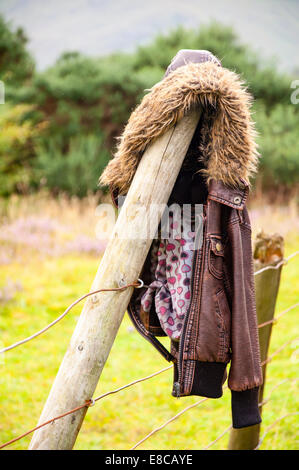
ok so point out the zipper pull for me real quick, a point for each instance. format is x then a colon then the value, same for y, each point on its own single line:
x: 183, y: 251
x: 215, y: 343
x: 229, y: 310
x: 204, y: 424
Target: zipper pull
x: 176, y: 390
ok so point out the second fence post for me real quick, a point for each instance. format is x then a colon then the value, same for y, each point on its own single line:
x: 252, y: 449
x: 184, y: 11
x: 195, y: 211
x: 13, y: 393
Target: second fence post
x: 268, y: 251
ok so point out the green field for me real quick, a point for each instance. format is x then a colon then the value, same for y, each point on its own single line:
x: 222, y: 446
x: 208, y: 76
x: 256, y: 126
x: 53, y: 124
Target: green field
x: 46, y: 285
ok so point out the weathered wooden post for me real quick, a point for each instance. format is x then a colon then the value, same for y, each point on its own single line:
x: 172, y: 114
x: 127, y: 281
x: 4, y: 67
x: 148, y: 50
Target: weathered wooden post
x: 268, y: 251
x: 121, y: 264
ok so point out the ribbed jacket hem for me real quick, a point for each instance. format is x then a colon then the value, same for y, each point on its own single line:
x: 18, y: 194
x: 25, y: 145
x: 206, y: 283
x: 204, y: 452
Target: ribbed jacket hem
x: 208, y: 380
x: 245, y: 409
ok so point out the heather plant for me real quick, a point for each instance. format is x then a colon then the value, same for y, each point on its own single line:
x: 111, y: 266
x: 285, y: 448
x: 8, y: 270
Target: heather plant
x: 44, y: 235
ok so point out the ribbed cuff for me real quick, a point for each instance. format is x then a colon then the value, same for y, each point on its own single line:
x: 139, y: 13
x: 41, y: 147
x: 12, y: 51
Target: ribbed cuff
x: 245, y: 409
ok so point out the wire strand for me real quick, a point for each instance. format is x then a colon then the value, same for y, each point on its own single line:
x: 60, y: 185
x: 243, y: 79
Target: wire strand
x: 268, y: 429
x: 201, y: 401
x: 91, y: 402
x: 43, y: 330
x: 218, y: 438
x: 169, y: 421
x: 275, y: 319
x: 88, y: 403
x: 8, y: 348
x: 276, y: 266
x: 269, y: 359
x: 266, y: 400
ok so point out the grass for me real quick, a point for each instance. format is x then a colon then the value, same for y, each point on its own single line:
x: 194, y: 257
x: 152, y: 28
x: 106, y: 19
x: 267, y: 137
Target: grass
x: 47, y: 284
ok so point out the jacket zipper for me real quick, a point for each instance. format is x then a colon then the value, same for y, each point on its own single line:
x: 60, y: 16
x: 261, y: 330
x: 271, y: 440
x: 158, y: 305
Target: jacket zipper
x: 177, y: 385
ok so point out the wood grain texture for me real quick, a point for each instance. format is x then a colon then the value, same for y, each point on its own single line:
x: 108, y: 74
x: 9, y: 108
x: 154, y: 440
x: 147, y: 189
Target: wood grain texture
x: 121, y: 264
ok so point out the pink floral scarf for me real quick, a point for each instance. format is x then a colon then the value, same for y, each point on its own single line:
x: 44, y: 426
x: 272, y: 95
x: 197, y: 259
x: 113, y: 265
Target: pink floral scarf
x: 171, y: 288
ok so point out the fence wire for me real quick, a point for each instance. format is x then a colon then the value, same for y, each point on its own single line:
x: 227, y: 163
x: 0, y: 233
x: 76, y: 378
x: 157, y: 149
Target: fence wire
x: 205, y: 399
x: 272, y: 426
x: 276, y: 266
x: 266, y: 400
x: 92, y: 402
x: 136, y: 284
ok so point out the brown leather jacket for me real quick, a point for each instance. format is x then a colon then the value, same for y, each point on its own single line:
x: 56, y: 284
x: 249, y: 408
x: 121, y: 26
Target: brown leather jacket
x: 220, y: 326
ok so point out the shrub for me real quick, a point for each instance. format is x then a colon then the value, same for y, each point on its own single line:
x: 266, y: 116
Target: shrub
x: 82, y: 103
x: 16, y: 64
x: 17, y: 140
x: 279, y: 146
x: 75, y: 172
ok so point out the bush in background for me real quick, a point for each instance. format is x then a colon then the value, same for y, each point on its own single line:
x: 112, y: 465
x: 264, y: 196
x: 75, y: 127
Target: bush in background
x: 77, y: 172
x: 16, y: 64
x: 17, y: 140
x: 279, y: 146
x: 81, y: 104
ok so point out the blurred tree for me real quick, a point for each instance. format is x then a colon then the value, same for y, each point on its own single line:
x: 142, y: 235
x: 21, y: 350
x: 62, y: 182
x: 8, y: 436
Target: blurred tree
x: 17, y: 140
x: 16, y: 64
x: 75, y: 173
x: 264, y: 81
x: 86, y: 102
x: 279, y: 146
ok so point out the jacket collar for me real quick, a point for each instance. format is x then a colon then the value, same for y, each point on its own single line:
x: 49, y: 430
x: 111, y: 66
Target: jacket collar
x: 233, y: 197
x: 227, y: 151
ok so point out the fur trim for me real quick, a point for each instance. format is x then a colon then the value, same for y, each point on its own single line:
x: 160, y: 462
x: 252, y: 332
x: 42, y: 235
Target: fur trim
x: 228, y: 149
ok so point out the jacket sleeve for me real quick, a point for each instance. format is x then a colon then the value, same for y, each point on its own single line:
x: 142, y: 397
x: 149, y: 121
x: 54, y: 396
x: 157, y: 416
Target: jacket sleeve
x: 245, y: 375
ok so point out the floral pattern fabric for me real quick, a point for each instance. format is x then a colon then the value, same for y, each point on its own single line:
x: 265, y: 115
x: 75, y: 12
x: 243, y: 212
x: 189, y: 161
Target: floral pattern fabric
x: 170, y: 290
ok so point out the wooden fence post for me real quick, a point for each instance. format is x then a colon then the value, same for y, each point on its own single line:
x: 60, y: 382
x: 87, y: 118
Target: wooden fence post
x: 121, y: 264
x: 268, y: 250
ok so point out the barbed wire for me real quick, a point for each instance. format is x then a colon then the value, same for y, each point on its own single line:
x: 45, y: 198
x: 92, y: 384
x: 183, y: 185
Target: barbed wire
x: 275, y: 319
x: 169, y: 421
x: 269, y: 358
x: 201, y: 401
x: 266, y: 400
x: 136, y: 284
x: 276, y: 266
x: 43, y: 330
x: 91, y: 402
x: 218, y: 438
x: 272, y: 426
x: 196, y: 404
x: 88, y: 403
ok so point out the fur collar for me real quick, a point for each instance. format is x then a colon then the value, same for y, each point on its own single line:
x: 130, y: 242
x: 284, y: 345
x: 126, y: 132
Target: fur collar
x: 228, y: 149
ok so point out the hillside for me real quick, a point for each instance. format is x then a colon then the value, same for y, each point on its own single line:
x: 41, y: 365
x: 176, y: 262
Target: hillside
x: 100, y: 27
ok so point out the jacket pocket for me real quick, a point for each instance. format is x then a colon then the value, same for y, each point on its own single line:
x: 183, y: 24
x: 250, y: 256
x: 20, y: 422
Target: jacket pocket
x: 215, y: 257
x: 223, y: 318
